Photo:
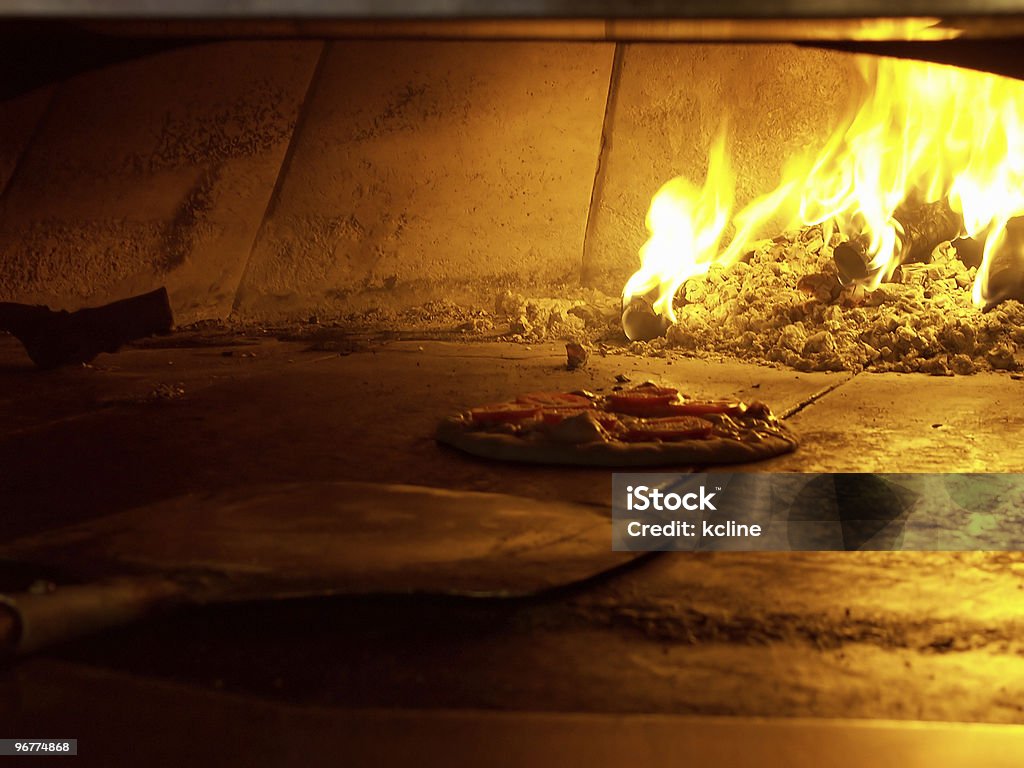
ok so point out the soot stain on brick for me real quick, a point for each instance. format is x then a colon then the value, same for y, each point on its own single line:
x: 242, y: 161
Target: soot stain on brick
x: 250, y: 125
x: 189, y: 223
x: 410, y: 107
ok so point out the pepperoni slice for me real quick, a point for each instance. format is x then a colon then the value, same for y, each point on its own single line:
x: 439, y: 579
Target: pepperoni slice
x: 669, y: 428
x: 503, y: 413
x: 556, y: 400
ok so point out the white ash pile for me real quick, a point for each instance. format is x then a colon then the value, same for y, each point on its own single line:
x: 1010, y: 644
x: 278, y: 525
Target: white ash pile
x: 785, y: 305
x: 588, y: 316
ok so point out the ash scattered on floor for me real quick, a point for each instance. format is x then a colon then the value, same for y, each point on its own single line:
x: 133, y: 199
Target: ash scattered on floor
x: 350, y: 332
x: 584, y: 316
x: 164, y: 392
x: 784, y: 305
x: 577, y: 315
x: 438, y: 314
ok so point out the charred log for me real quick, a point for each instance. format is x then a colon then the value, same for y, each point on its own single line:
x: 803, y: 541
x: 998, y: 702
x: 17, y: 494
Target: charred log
x: 924, y: 227
x: 1005, y: 278
x: 970, y: 250
x: 640, y: 322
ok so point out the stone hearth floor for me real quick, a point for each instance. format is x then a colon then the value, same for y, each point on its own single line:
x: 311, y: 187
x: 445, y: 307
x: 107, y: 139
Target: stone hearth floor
x: 906, y: 636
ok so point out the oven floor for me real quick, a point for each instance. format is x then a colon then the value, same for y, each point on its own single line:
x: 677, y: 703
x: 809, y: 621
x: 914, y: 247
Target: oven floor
x: 905, y: 636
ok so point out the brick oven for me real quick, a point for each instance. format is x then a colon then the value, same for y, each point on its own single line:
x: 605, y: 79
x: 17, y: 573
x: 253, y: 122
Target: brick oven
x: 366, y: 218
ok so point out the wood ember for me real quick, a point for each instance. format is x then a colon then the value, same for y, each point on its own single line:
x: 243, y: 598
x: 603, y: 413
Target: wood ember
x: 821, y: 286
x: 784, y: 306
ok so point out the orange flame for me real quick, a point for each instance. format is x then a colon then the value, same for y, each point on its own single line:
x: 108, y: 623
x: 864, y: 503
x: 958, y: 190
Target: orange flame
x: 925, y: 132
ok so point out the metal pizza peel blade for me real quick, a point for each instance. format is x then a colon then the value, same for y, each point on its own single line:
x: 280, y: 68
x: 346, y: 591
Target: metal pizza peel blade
x: 299, y: 540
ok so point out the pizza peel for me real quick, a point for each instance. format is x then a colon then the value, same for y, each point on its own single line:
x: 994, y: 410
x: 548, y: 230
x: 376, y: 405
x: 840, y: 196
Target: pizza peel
x: 301, y: 540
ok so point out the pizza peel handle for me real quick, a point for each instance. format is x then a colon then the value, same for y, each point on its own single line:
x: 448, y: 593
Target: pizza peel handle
x: 301, y: 540
x: 29, y: 622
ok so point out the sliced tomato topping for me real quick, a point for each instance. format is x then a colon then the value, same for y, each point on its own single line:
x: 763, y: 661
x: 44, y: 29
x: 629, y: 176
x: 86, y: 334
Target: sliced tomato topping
x: 503, y: 413
x: 645, y: 400
x: 556, y: 400
x: 556, y: 415
x: 669, y: 428
x: 701, y: 407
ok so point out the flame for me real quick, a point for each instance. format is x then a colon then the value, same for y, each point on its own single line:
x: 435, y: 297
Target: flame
x: 914, y: 28
x: 924, y: 132
x: 686, y: 225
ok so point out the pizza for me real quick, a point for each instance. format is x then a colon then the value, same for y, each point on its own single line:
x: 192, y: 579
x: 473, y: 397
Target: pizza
x: 646, y: 425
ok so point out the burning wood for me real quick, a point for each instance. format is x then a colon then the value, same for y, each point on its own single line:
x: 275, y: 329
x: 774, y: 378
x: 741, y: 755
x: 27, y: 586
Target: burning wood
x: 1005, y: 270
x: 892, y: 149
x: 640, y: 322
x: 924, y: 227
x: 785, y: 305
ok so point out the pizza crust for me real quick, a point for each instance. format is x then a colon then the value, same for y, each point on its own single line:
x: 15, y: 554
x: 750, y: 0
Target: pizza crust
x: 457, y: 432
